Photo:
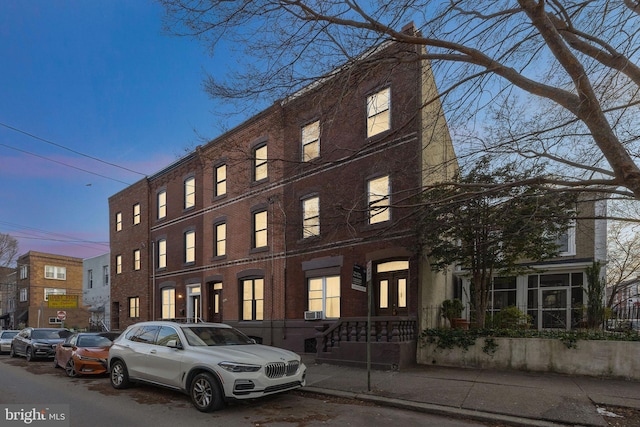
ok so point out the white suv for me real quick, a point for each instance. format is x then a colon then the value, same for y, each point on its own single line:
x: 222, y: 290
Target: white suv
x: 211, y: 362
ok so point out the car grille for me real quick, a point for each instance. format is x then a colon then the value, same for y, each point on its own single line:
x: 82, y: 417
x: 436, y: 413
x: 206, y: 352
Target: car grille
x: 283, y: 387
x: 281, y: 369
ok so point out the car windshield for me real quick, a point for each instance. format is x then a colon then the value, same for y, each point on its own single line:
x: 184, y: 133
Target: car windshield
x: 93, y: 341
x: 6, y: 335
x: 215, y: 336
x: 40, y: 334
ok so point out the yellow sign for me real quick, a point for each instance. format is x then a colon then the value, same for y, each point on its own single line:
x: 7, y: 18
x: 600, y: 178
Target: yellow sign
x: 63, y: 301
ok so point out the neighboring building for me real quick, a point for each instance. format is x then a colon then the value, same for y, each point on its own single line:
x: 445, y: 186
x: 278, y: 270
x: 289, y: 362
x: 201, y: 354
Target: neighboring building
x: 626, y: 300
x: 554, y: 295
x: 7, y: 297
x: 96, y: 292
x: 266, y: 226
x: 41, y: 275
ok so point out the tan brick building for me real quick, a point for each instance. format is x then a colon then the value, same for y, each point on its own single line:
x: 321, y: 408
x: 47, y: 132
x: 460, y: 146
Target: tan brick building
x: 40, y: 275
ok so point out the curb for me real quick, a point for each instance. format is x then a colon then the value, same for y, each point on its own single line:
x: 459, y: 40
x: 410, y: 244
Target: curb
x: 433, y: 408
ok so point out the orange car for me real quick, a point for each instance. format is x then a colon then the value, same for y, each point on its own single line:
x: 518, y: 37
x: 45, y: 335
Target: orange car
x: 83, y: 353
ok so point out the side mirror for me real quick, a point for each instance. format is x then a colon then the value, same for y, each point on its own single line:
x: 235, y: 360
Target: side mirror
x: 174, y: 344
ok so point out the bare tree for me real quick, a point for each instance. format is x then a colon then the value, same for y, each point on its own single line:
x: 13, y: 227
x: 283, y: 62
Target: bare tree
x: 623, y: 257
x: 548, y: 79
x: 8, y: 250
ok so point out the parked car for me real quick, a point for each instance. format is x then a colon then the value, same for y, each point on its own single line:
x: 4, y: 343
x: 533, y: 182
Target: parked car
x: 34, y: 343
x: 83, y: 353
x: 211, y: 362
x: 6, y: 337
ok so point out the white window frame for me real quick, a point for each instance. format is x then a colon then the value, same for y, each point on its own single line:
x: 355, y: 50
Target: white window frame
x: 162, y: 204
x: 310, y: 141
x: 379, y: 202
x: 260, y: 164
x: 134, y: 307
x: 571, y: 241
x: 322, y: 297
x: 24, y: 295
x: 190, y: 246
x: 118, y: 264
x: 118, y: 221
x: 220, y: 230
x: 260, y: 235
x: 220, y: 184
x: 253, y: 292
x: 53, y: 291
x: 311, y: 217
x: 137, y: 263
x: 168, y: 303
x: 55, y: 273
x: 379, y: 112
x: 136, y: 214
x: 189, y: 192
x: 90, y: 279
x: 162, y: 253
x: 24, y: 272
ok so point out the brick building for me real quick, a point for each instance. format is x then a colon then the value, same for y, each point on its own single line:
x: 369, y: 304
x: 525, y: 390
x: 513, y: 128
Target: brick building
x: 41, y: 275
x: 265, y: 226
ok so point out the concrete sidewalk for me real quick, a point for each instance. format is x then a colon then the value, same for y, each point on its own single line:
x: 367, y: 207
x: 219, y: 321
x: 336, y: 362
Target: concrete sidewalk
x: 510, y: 397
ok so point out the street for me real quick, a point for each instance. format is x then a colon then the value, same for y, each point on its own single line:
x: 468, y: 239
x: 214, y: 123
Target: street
x: 93, y: 402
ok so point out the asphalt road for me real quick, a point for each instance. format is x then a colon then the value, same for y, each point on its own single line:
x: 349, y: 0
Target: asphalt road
x: 93, y: 402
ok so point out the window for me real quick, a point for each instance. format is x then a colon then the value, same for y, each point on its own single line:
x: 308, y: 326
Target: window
x: 136, y: 259
x: 136, y: 214
x: 220, y: 248
x: 118, y: 264
x: 162, y: 253
x: 162, y: 204
x: 53, y: 291
x: 23, y: 294
x: 311, y: 217
x: 324, y: 295
x: 260, y: 163
x: 502, y: 294
x: 260, y: 229
x: 378, y: 112
x: 90, y: 279
x: 105, y: 273
x: 220, y: 184
x: 169, y: 303
x: 134, y: 307
x: 556, y: 300
x: 190, y: 246
x: 24, y: 272
x: 253, y: 299
x: 378, y: 199
x: 567, y: 242
x: 311, y: 141
x: 189, y: 192
x: 118, y: 221
x: 56, y: 273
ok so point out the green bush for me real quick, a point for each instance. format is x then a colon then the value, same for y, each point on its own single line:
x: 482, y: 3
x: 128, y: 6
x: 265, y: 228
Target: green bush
x: 510, y: 318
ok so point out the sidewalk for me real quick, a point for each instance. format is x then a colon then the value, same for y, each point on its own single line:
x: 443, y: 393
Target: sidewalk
x: 510, y: 397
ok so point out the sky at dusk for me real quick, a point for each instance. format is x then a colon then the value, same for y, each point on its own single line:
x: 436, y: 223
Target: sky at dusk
x: 93, y: 97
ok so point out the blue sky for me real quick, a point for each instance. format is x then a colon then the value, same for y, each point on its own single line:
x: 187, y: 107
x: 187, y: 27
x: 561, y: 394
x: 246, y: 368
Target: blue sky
x: 94, y: 80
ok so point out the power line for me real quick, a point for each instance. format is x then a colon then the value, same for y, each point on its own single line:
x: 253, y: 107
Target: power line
x: 63, y: 164
x: 68, y: 149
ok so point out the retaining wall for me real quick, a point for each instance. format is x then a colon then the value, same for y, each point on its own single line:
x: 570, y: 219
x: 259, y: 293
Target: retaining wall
x: 618, y: 359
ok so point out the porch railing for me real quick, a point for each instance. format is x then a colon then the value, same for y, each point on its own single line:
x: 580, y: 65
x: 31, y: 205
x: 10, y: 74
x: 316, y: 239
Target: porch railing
x: 354, y: 329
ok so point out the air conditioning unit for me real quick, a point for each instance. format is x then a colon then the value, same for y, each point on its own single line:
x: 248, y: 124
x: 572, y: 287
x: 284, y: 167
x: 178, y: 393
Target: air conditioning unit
x: 312, y: 315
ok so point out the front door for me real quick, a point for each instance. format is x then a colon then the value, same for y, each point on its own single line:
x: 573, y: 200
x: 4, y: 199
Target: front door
x: 391, y: 287
x: 215, y: 302
x: 194, y: 308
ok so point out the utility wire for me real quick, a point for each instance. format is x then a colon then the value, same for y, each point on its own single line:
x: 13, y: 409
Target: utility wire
x: 63, y: 164
x: 69, y: 149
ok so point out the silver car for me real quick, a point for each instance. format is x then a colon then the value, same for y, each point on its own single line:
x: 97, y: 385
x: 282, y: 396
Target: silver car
x: 211, y: 362
x: 5, y: 339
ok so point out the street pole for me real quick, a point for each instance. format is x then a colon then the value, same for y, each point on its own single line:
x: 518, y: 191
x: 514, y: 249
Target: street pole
x: 369, y: 292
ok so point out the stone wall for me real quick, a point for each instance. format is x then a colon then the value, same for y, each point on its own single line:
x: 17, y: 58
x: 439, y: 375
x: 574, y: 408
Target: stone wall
x: 617, y: 359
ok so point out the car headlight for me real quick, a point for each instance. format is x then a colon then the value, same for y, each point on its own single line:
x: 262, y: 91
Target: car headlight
x: 239, y: 367
x: 41, y: 345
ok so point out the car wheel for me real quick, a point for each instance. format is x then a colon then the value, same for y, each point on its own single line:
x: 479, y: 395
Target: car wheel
x: 205, y: 393
x: 70, y: 368
x: 29, y: 354
x: 119, y: 375
x: 12, y: 352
